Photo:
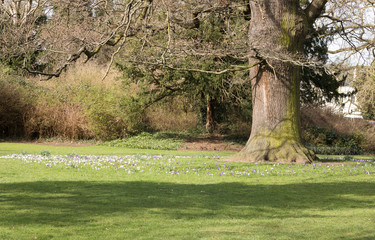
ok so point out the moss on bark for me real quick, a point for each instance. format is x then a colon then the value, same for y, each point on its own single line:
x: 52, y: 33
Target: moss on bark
x: 275, y: 146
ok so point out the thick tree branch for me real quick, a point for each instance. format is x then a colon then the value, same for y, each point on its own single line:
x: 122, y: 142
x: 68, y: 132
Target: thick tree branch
x: 314, y: 9
x: 195, y: 21
x: 72, y: 58
x: 234, y: 69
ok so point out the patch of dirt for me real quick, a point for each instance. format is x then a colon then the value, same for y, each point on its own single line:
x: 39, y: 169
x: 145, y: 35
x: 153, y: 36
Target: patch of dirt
x: 212, y: 143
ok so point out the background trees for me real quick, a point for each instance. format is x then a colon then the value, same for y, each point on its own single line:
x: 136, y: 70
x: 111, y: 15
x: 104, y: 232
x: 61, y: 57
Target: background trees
x: 20, y: 22
x: 188, y: 62
x: 365, y: 85
x: 198, y: 49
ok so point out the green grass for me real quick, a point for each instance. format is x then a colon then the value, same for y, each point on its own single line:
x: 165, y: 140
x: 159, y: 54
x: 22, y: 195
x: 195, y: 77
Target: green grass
x: 73, y: 200
x: 10, y: 148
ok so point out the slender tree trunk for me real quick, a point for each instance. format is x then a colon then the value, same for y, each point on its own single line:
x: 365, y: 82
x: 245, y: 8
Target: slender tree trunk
x: 276, y: 36
x: 210, y: 117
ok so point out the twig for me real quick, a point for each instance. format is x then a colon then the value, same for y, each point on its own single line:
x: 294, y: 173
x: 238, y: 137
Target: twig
x: 129, y: 14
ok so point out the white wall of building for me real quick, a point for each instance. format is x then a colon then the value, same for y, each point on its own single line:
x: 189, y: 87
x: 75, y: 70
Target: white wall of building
x: 347, y: 105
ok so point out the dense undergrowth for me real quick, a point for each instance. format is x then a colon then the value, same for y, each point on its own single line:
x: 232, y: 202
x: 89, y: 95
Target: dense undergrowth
x: 81, y: 106
x: 325, y: 132
x: 158, y: 141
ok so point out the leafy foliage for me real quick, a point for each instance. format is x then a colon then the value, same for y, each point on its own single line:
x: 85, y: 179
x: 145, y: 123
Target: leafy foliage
x: 78, y: 108
x: 228, y: 94
x: 318, y: 86
x: 328, y: 141
x: 111, y: 114
x: 365, y: 86
x: 15, y: 102
x: 159, y: 141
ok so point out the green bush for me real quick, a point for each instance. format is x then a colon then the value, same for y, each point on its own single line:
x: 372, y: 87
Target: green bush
x: 111, y: 114
x: 158, y: 141
x: 15, y: 102
x: 328, y: 141
x: 45, y: 153
x: 335, y: 150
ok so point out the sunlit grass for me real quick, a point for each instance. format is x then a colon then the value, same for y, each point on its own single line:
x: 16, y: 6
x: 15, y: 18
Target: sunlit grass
x: 209, y: 165
x: 88, y: 193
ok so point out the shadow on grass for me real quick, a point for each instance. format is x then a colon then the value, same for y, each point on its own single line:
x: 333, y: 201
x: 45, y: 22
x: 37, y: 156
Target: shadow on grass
x: 70, y: 203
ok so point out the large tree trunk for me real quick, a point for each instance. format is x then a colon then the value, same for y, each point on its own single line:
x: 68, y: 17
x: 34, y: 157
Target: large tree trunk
x: 276, y: 36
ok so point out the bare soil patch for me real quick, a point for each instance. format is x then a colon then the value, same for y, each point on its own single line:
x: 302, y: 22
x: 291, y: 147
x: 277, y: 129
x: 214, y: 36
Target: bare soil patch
x: 212, y: 143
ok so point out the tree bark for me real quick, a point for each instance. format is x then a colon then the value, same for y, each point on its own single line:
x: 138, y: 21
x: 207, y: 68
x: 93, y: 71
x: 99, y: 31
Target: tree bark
x: 276, y: 34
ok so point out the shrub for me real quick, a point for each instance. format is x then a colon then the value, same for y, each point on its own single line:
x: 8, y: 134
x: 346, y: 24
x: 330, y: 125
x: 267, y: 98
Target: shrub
x: 12, y: 109
x: 79, y: 105
x: 172, y: 114
x: 369, y: 135
x: 47, y: 120
x: 328, y: 119
x: 329, y: 132
x: 111, y: 114
x: 148, y: 141
x: 328, y: 141
x: 45, y: 153
x: 14, y: 103
x: 334, y: 150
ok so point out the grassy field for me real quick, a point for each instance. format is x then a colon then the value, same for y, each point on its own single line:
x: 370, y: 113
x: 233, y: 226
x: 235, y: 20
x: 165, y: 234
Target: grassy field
x: 100, y: 192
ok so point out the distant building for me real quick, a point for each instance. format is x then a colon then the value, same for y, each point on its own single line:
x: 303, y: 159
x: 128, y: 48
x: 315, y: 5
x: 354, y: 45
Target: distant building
x: 348, y: 105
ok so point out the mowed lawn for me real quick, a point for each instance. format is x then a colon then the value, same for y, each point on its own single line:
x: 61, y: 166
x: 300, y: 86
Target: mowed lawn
x: 113, y: 193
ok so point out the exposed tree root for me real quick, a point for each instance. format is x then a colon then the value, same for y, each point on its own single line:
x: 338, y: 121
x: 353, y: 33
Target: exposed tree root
x: 266, y: 150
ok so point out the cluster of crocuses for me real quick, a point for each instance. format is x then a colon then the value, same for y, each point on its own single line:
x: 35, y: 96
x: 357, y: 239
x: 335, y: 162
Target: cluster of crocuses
x: 197, y: 165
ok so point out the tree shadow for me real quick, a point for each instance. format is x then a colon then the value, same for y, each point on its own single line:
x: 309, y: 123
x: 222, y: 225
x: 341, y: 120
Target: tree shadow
x: 70, y: 202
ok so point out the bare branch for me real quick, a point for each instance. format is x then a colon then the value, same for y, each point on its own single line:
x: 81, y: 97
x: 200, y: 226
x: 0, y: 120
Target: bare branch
x: 170, y: 67
x: 113, y: 39
x: 129, y: 18
x: 72, y: 58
